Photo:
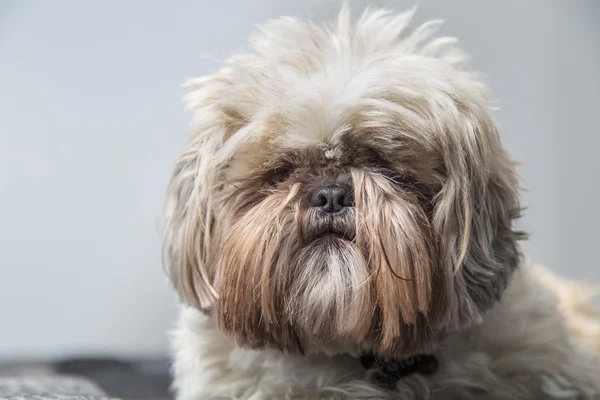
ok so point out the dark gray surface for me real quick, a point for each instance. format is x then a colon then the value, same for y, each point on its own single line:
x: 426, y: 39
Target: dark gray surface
x: 48, y: 387
x: 143, y: 379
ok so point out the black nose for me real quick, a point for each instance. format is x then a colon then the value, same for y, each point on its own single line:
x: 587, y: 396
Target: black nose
x: 331, y: 198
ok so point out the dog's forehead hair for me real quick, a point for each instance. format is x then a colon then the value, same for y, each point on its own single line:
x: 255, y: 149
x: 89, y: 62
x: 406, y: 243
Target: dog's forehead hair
x: 352, y: 149
x: 346, y: 150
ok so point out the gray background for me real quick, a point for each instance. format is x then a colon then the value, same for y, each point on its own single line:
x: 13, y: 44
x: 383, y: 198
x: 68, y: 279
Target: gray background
x: 91, y: 121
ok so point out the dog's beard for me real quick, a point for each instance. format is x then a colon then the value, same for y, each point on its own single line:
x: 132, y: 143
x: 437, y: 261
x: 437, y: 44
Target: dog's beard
x: 289, y: 279
x: 330, y: 292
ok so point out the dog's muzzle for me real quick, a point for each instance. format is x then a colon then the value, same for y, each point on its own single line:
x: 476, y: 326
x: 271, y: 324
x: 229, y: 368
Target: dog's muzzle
x: 331, y: 212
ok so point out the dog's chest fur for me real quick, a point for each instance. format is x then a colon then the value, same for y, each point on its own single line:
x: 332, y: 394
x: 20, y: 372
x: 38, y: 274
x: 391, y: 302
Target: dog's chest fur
x: 521, y: 350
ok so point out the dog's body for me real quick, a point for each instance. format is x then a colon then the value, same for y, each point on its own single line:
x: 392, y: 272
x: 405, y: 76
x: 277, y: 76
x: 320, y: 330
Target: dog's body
x: 522, y: 350
x: 345, y: 192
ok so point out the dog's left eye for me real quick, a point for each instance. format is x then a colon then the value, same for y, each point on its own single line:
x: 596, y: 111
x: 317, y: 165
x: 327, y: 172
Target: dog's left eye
x: 278, y: 175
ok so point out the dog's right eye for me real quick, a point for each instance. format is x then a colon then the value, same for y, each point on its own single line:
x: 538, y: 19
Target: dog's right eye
x: 373, y: 158
x: 279, y: 175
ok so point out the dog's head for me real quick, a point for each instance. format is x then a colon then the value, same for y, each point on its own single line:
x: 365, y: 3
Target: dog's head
x: 342, y: 187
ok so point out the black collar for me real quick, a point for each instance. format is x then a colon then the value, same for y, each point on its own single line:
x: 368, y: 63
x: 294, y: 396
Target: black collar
x: 388, y: 372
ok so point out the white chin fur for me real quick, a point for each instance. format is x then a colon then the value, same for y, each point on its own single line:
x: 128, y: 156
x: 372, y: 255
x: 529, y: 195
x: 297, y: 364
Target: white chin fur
x: 331, y: 282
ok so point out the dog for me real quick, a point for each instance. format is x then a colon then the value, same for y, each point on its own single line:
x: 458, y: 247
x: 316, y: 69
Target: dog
x: 342, y: 225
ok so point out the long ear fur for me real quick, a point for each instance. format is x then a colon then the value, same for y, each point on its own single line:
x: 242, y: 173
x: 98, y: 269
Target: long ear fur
x: 474, y: 217
x: 190, y: 223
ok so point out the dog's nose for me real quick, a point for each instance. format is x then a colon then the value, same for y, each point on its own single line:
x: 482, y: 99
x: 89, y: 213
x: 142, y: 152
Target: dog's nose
x: 331, y: 198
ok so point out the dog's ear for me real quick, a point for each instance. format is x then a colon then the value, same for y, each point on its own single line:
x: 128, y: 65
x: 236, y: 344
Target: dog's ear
x: 190, y: 215
x: 475, y: 214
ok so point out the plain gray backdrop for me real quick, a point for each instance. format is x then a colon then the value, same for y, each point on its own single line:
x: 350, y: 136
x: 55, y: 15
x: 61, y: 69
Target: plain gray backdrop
x: 91, y: 121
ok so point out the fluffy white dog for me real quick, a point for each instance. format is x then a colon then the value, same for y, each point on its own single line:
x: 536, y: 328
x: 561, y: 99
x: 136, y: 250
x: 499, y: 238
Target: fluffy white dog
x: 342, y: 225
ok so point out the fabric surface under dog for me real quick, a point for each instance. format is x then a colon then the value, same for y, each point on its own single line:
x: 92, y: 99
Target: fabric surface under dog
x: 86, y: 379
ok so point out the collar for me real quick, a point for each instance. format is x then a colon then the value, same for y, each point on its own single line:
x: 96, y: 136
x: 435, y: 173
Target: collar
x: 388, y: 372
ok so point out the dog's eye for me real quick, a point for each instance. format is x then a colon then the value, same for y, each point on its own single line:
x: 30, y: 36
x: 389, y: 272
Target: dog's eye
x: 400, y: 180
x: 373, y: 158
x: 278, y: 175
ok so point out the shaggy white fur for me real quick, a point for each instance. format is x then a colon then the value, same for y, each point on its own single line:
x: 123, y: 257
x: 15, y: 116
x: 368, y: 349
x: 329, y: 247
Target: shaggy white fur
x: 425, y: 259
x: 522, y: 350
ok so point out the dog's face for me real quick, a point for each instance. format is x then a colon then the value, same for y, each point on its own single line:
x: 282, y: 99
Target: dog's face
x: 342, y: 189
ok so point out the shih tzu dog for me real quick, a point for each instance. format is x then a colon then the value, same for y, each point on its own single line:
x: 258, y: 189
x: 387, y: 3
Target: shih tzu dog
x: 341, y: 225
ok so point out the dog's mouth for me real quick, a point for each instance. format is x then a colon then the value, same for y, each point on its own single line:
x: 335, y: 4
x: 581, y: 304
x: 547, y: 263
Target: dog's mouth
x: 331, y: 228
x: 333, y: 235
